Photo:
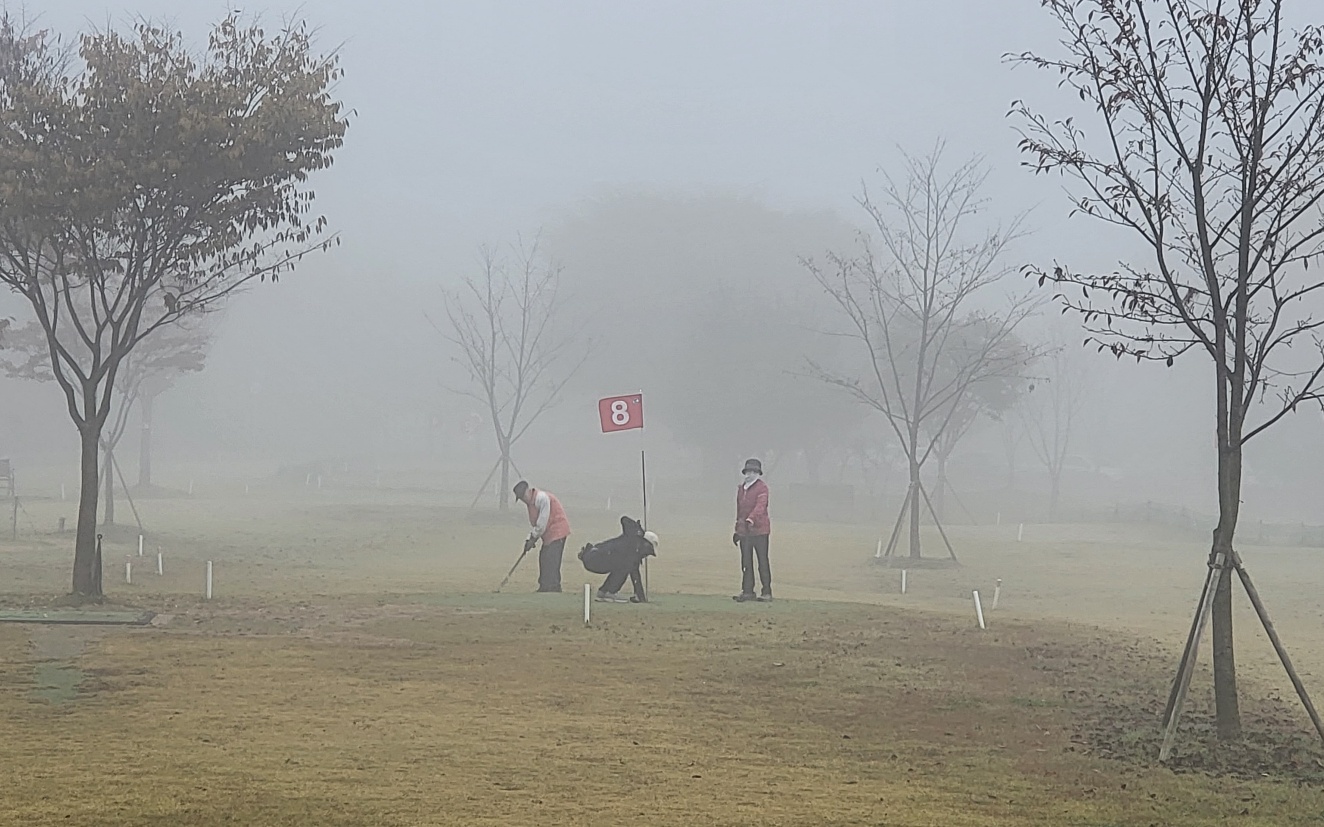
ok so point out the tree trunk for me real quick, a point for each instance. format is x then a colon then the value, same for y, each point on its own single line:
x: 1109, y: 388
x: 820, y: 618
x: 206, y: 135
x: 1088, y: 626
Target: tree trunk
x: 1226, y: 706
x: 145, y: 445
x: 108, y: 507
x: 916, y: 498
x: 1054, y: 491
x: 916, y: 504
x: 86, y: 583
x: 503, y: 502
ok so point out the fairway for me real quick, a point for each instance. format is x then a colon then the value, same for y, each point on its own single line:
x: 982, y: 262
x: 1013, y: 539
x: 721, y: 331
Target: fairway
x: 356, y: 668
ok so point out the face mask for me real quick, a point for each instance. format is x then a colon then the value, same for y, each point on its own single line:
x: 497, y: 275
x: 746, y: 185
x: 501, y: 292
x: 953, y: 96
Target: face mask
x: 750, y: 479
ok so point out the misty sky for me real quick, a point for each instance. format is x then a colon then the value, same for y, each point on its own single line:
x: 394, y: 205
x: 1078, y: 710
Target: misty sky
x: 474, y: 117
x: 479, y: 120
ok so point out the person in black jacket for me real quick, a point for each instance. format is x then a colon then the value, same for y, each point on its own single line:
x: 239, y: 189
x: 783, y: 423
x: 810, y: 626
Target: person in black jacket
x: 619, y: 558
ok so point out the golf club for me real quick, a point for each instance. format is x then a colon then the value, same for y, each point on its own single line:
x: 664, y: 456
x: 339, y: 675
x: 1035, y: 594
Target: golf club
x: 518, y: 560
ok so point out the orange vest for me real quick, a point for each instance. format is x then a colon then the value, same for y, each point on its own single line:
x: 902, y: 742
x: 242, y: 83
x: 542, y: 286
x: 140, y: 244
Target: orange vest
x: 558, y: 527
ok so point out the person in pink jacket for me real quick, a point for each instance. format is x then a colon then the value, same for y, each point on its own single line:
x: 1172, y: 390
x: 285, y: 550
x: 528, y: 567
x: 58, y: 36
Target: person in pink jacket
x: 751, y: 534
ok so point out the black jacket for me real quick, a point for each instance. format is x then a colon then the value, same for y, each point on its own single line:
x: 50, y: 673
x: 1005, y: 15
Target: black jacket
x: 621, y: 553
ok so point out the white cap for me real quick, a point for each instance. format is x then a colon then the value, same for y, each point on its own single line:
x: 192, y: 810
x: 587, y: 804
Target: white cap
x: 651, y: 538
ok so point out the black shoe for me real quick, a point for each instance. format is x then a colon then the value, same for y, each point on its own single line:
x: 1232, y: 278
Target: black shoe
x: 766, y: 597
x: 634, y: 598
x: 548, y: 591
x: 744, y: 597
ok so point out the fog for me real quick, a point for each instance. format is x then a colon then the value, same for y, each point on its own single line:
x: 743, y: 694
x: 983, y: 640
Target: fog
x: 676, y: 159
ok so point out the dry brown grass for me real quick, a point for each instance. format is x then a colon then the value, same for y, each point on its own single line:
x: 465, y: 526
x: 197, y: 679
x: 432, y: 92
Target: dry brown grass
x: 343, y: 677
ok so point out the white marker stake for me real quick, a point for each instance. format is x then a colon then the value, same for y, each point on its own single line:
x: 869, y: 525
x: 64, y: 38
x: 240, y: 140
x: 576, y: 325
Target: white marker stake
x: 903, y: 581
x: 879, y: 552
x: 319, y: 482
x: 128, y: 571
x: 245, y: 488
x: 160, y: 562
x: 190, y: 488
x: 62, y: 492
x: 997, y: 592
x: 1020, y: 533
x: 999, y: 518
x: 140, y: 545
x: 587, y: 603
x: 209, y: 580
x: 308, y: 480
x: 979, y: 612
x: 609, y: 503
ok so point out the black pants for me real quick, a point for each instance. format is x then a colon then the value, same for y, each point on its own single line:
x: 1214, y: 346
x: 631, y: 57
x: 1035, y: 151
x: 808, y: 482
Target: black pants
x: 549, y: 566
x: 751, y: 546
x: 616, y: 579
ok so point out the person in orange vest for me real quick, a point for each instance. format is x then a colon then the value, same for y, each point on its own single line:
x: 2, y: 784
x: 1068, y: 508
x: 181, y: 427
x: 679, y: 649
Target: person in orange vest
x: 551, y: 527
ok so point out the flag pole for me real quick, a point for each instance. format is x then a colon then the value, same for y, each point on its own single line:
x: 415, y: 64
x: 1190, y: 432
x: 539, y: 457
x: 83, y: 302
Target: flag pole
x: 643, y: 474
x: 643, y: 478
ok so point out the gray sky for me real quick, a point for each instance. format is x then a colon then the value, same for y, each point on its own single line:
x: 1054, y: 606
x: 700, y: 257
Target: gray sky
x: 478, y: 120
x: 474, y: 117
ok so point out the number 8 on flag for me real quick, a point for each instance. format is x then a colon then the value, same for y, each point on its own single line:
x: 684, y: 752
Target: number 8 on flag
x: 621, y: 413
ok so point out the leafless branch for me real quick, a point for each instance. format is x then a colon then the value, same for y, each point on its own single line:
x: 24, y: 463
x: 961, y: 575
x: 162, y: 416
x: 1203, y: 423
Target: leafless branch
x: 912, y: 296
x: 509, y: 333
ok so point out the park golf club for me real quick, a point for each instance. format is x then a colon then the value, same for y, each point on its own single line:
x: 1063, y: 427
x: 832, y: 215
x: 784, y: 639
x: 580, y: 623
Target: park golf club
x: 518, y: 560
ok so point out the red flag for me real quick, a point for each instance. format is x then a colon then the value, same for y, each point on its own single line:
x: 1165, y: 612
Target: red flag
x: 621, y: 413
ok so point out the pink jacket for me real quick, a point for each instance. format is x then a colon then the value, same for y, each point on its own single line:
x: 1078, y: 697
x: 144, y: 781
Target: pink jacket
x: 752, y: 505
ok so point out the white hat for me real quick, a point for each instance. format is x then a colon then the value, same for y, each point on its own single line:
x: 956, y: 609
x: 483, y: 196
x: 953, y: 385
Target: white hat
x: 651, y: 538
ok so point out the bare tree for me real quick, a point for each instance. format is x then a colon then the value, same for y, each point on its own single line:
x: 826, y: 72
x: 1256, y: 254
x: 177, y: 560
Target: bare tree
x: 143, y: 182
x: 912, y: 308
x: 1211, y: 151
x: 989, y: 398
x: 956, y: 427
x: 148, y: 371
x: 1048, y: 412
x: 505, y: 324
x: 172, y: 353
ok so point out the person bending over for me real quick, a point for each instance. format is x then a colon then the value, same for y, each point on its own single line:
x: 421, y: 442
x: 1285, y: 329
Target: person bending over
x: 620, y: 558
